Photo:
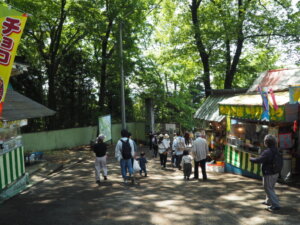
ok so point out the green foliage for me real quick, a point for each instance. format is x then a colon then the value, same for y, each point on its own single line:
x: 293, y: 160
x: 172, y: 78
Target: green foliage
x: 72, y: 49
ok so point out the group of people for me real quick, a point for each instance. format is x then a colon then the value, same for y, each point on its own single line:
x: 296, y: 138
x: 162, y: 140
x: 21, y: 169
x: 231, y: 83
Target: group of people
x: 184, y: 152
x: 183, y: 155
x: 125, y: 153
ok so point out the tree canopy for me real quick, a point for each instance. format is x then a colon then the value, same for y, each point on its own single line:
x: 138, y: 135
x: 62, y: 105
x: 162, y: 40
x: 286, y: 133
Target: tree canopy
x: 175, y: 51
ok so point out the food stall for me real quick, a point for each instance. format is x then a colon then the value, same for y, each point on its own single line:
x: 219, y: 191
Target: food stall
x: 248, y: 125
x: 17, y: 109
x: 214, y: 124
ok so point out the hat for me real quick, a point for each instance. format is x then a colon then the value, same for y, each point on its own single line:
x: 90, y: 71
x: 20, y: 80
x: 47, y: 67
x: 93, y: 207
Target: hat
x: 166, y: 136
x: 161, y: 135
x: 101, y: 137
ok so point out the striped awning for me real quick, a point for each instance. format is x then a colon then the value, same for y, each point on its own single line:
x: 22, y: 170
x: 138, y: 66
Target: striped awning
x: 209, y: 110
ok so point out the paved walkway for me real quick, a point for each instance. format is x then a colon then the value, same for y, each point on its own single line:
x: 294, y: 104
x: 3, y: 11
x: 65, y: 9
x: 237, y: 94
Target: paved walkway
x: 72, y: 197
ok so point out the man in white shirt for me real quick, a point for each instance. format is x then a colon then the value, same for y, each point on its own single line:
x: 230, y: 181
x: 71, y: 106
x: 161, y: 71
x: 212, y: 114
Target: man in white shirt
x: 200, y: 152
x: 125, y: 163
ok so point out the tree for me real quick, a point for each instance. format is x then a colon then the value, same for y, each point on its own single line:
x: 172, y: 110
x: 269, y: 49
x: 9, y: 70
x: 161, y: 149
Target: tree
x: 75, y: 58
x: 222, y: 28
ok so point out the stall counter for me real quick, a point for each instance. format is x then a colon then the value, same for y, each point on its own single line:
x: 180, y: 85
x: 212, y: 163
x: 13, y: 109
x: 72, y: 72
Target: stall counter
x: 238, y: 161
x: 12, y: 166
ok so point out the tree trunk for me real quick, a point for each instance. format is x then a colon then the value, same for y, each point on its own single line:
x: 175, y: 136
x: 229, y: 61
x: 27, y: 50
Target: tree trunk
x: 239, y: 46
x: 54, y: 63
x: 200, y: 46
x: 105, y: 57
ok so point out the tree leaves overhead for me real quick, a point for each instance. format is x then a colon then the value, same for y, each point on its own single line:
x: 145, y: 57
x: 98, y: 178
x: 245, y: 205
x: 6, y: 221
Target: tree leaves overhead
x: 174, y: 52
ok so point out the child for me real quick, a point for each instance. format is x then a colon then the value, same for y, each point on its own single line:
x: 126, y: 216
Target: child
x: 142, y: 160
x: 187, y: 164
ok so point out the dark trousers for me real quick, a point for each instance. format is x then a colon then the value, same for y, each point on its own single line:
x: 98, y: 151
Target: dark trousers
x: 203, y: 169
x: 178, y: 161
x: 187, y: 170
x: 173, y: 158
x: 143, y: 170
x: 163, y: 159
x: 155, y: 150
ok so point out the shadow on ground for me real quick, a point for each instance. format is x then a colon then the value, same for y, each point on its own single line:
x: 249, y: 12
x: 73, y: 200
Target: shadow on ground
x: 73, y: 197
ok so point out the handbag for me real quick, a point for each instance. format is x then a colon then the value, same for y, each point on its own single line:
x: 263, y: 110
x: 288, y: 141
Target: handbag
x: 136, y: 166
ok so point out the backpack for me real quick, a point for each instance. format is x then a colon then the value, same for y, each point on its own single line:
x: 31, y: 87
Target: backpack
x: 277, y: 162
x: 181, y: 144
x: 126, y: 149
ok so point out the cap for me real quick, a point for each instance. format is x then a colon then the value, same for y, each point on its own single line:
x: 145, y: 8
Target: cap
x: 101, y: 137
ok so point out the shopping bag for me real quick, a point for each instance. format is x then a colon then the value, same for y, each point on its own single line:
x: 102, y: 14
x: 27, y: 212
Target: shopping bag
x: 136, y: 166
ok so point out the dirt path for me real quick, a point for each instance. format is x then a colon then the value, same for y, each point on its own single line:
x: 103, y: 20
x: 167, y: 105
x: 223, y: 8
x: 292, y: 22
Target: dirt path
x: 72, y: 197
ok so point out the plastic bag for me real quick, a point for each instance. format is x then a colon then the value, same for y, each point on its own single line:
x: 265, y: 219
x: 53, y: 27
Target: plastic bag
x: 136, y: 166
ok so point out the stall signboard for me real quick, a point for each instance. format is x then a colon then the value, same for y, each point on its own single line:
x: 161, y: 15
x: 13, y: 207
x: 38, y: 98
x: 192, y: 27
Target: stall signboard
x: 104, y: 124
x: 171, y: 127
x: 285, y: 140
x: 12, y: 24
x: 251, y: 112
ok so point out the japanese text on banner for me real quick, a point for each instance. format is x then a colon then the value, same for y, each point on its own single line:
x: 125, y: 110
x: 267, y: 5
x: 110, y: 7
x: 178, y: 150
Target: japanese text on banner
x: 12, y: 24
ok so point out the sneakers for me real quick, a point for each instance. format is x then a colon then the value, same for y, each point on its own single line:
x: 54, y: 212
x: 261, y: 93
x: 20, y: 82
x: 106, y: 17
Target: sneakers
x: 105, y: 177
x: 273, y: 208
x: 266, y: 203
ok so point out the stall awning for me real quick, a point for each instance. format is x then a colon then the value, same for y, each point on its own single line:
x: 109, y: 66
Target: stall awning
x: 278, y: 80
x: 18, y: 107
x: 250, y: 106
x: 209, y: 110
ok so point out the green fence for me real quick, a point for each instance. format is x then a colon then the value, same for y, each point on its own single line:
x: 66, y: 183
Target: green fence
x: 68, y: 138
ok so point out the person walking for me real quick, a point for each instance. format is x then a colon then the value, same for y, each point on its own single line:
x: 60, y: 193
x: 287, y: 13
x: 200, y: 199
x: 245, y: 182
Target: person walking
x: 270, y: 176
x: 187, y: 138
x: 173, y: 157
x: 162, y: 149
x: 167, y: 143
x: 200, y: 152
x: 150, y: 140
x: 100, y: 150
x: 155, y: 145
x: 187, y: 164
x: 179, y: 146
x: 124, y: 151
x: 142, y: 161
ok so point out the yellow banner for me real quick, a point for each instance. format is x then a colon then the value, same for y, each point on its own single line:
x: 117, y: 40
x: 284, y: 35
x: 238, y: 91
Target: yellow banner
x: 12, y: 24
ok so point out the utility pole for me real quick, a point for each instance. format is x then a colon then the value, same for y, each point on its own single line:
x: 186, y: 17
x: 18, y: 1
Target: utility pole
x: 122, y: 77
